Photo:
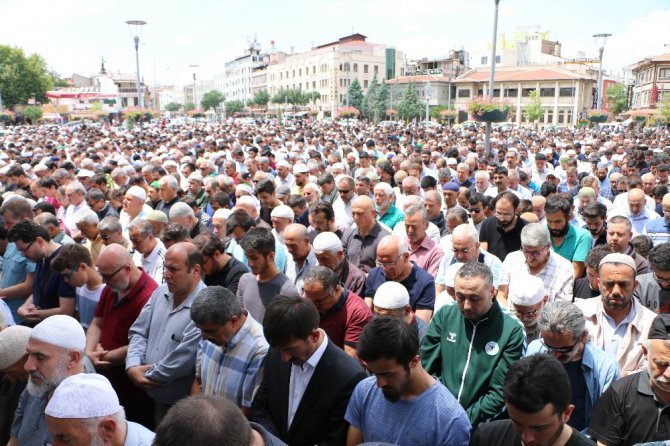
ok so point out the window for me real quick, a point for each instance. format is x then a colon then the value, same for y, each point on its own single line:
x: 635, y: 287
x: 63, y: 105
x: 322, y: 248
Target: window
x: 365, y: 69
x: 547, y: 92
x: 511, y: 92
x: 664, y: 73
x: 566, y: 92
x: 485, y: 60
x: 355, y: 68
x: 313, y: 85
x: 497, y: 59
x: 300, y: 72
x: 376, y: 70
x: 561, y: 117
x: 526, y: 92
x: 480, y: 92
x: 365, y: 83
x: 314, y: 69
x: 496, y: 92
x: 463, y: 93
x: 550, y: 117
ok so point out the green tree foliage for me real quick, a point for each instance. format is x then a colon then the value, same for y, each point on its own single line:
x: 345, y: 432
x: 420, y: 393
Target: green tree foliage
x: 189, y: 106
x: 212, y: 99
x: 233, y: 107
x: 664, y: 107
x: 293, y: 96
x: 22, y: 78
x: 32, y: 113
x: 381, y: 102
x: 435, y: 112
x: 172, y: 106
x: 534, y: 110
x: 261, y: 98
x: 57, y: 81
x: 617, y: 95
x: 410, y: 107
x: 355, y: 94
x: 369, y: 100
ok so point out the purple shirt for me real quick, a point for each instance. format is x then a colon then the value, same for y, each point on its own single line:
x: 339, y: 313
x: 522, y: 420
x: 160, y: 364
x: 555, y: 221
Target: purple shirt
x: 427, y: 255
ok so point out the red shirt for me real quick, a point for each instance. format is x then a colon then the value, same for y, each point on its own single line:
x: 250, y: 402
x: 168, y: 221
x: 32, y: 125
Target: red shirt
x: 117, y: 317
x: 345, y: 322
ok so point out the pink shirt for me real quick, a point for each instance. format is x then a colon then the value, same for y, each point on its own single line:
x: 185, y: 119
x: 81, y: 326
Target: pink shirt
x: 427, y: 255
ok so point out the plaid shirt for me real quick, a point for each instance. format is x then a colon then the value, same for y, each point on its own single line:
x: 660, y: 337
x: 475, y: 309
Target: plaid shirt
x: 558, y: 275
x: 233, y: 371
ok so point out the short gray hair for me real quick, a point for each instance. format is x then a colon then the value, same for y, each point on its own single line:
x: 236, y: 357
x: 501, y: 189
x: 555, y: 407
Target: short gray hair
x: 181, y: 209
x: 384, y: 187
x: 88, y: 217
x: 169, y: 181
x: 143, y: 226
x: 110, y: 224
x: 478, y: 270
x: 458, y: 212
x: 325, y: 276
x: 561, y: 316
x: 535, y: 234
x: 215, y: 305
x: 416, y: 209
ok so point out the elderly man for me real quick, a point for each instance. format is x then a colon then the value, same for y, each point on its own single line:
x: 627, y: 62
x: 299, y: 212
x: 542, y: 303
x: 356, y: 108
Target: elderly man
x: 197, y: 191
x: 659, y: 228
x: 76, y: 194
x: 591, y: 371
x: 163, y: 339
x: 149, y: 250
x: 483, y: 184
x: 619, y: 235
x: 219, y: 267
x: 499, y: 234
x: 252, y: 207
x: 471, y: 344
x: 182, y: 214
x: 423, y: 250
x: 284, y: 175
x: 100, y: 421
x: 342, y: 206
x: 133, y: 207
x: 536, y: 258
x: 392, y: 299
x: 329, y: 252
x: 49, y: 222
x: 167, y: 187
x: 538, y: 202
x: 394, y: 264
x: 618, y: 323
x: 465, y: 247
x: 232, y: 349
x: 636, y: 211
x: 13, y: 357
x: 432, y: 200
x: 98, y: 203
x: 296, y: 240
x: 343, y: 314
x: 87, y: 223
x: 55, y: 351
x: 634, y: 409
x: 387, y: 212
x: 527, y: 298
x: 281, y: 216
x: 111, y: 232
x: 361, y: 241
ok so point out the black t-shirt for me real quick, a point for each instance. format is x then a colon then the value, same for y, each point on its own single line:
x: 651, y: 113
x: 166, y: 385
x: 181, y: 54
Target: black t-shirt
x: 579, y: 394
x: 582, y: 290
x: 228, y: 276
x: 502, y: 433
x: 627, y: 413
x: 501, y: 243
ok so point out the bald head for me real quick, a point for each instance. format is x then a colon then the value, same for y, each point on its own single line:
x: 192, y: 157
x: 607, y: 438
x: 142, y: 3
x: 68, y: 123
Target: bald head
x: 114, y: 256
x: 666, y: 199
x: 296, y: 230
x: 538, y: 200
x: 636, y: 201
x: 465, y: 233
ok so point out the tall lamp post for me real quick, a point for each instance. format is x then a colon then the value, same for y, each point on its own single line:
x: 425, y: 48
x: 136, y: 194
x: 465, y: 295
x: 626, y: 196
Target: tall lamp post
x: 600, y: 42
x: 135, y: 29
x: 427, y: 94
x: 487, y: 141
x: 195, y: 99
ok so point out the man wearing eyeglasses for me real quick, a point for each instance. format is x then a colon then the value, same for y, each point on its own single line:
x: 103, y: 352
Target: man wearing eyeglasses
x: 527, y: 298
x: 127, y: 290
x: 653, y: 289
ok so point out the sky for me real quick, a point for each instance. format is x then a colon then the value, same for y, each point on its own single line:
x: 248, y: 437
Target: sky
x: 75, y: 35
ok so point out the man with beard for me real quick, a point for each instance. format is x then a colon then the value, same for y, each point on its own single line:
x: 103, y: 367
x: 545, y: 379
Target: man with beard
x: 595, y: 216
x: 401, y: 393
x: 619, y: 235
x: 562, y: 328
x: 13, y: 375
x: 527, y: 299
x: 330, y: 253
x: 587, y: 287
x: 500, y: 234
x: 618, y: 323
x: 219, y: 267
x: 301, y: 173
x: 55, y: 351
x: 567, y: 240
x: 537, y: 394
x: 634, y: 410
x: 653, y: 288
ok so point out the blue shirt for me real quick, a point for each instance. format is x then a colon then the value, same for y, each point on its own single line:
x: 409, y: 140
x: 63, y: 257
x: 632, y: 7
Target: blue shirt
x: 420, y: 286
x: 576, y: 244
x: 15, y: 267
x: 658, y: 229
x: 49, y: 285
x: 432, y: 418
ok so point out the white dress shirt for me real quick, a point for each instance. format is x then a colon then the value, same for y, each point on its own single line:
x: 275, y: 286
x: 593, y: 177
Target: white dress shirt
x: 300, y: 377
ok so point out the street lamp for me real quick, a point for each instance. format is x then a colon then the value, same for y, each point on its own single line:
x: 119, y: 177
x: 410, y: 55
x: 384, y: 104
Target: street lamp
x: 135, y: 29
x: 195, y: 100
x: 600, y: 42
x: 427, y: 94
x: 487, y: 142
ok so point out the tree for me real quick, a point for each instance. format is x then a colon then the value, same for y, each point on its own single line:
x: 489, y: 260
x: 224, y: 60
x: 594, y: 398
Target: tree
x: 617, y: 95
x: 233, y: 107
x: 664, y: 108
x: 410, y: 107
x: 32, y: 113
x: 435, y: 112
x: 57, y: 81
x: 534, y: 110
x: 22, y: 78
x: 261, y: 98
x: 189, y: 106
x: 381, y: 102
x: 172, y: 107
x: 212, y: 99
x: 369, y: 100
x: 355, y: 95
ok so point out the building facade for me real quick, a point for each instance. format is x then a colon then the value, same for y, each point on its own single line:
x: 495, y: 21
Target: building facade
x: 651, y: 78
x: 235, y: 82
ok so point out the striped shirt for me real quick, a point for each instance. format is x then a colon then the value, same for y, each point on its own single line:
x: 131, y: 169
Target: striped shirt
x: 154, y: 263
x: 558, y: 275
x: 234, y: 371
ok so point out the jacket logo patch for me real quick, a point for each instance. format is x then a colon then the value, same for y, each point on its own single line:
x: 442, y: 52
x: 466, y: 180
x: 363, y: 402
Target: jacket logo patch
x: 451, y: 337
x: 492, y: 348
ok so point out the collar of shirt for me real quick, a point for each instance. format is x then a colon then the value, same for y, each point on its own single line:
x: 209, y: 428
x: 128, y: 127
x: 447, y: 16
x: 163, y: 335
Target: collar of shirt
x: 152, y: 255
x: 340, y: 303
x: 244, y: 329
x: 426, y: 244
x: 313, y: 360
x: 189, y: 300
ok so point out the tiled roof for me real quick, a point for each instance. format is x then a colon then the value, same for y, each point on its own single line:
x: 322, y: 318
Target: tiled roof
x: 418, y: 79
x: 516, y: 74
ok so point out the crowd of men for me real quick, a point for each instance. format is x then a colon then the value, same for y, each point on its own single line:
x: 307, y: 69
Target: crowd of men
x: 317, y: 284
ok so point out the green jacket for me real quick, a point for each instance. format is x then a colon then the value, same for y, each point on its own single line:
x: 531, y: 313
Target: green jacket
x: 472, y: 359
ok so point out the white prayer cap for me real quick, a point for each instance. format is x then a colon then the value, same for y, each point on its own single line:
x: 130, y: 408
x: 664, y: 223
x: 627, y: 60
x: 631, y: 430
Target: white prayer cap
x: 391, y: 296
x: 283, y: 211
x: 13, y: 342
x: 196, y: 176
x: 300, y: 168
x: 327, y: 242
x: 138, y: 192
x: 222, y: 213
x: 450, y: 274
x: 83, y: 396
x: 85, y: 173
x: 526, y: 291
x: 283, y: 163
x: 618, y: 258
x: 61, y: 331
x: 249, y: 200
x: 244, y: 188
